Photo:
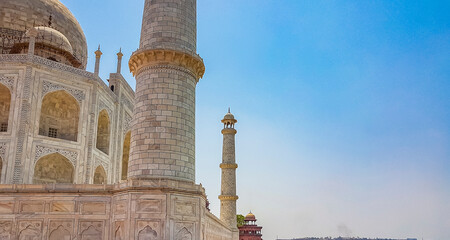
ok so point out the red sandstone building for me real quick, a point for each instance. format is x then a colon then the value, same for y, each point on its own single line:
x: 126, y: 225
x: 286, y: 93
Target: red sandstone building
x: 250, y: 231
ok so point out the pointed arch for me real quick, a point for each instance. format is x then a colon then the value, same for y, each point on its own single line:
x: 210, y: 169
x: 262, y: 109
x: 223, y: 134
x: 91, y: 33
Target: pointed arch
x: 147, y: 234
x: 60, y: 114
x: 100, y: 175
x: 118, y: 233
x: 91, y: 233
x: 103, y: 131
x: 53, y: 168
x: 29, y: 233
x: 126, y: 155
x: 60, y: 234
x: 5, y: 105
x: 184, y: 234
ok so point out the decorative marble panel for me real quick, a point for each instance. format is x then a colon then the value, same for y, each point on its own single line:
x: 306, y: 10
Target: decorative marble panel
x: 43, y: 151
x: 30, y: 230
x: 149, y: 206
x: 183, y: 233
x: 185, y: 208
x: 147, y: 230
x: 51, y: 87
x: 126, y: 123
x: 32, y: 207
x: 60, y: 229
x: 125, y: 102
x: 119, y: 230
x: 121, y: 207
x: 62, y: 207
x: 93, y: 207
x: 102, y: 105
x: 90, y: 230
x: 6, y: 230
x: 8, y: 82
x: 3, y: 150
x: 6, y: 207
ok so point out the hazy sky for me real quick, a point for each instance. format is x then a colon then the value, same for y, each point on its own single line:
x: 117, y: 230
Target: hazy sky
x: 343, y: 109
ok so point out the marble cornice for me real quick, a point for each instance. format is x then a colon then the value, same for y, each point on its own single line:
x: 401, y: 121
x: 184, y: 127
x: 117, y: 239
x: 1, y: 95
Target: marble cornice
x: 145, y: 58
x: 162, y: 185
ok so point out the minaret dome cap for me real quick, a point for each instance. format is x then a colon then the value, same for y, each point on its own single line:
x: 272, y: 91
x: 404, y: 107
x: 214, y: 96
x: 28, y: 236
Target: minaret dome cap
x: 250, y: 217
x: 229, y: 118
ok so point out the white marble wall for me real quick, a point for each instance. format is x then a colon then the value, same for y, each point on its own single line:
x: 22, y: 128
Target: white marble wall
x: 29, y: 80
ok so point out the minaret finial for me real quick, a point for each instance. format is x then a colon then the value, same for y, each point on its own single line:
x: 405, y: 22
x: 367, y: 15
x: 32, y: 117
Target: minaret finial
x: 99, y: 47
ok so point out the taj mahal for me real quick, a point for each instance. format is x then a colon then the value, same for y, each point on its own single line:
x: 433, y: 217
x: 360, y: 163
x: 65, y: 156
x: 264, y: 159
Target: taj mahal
x: 81, y: 159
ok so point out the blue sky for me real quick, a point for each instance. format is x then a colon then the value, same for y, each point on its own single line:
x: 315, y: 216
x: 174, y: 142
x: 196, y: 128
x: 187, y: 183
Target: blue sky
x: 343, y: 109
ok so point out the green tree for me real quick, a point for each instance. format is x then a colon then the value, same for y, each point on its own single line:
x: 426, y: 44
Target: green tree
x: 240, y: 220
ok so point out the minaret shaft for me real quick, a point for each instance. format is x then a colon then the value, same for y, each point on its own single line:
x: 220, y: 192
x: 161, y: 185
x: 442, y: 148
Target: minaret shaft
x: 228, y: 195
x: 167, y: 71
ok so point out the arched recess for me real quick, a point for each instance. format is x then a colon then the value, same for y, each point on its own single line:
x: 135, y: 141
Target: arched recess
x: 5, y: 103
x: 60, y: 234
x: 147, y: 234
x: 103, y: 131
x: 126, y: 155
x: 100, y: 175
x: 53, y: 168
x: 60, y: 113
x: 183, y: 234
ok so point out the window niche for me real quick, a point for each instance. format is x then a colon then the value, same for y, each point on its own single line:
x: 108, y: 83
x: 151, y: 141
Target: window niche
x: 103, y: 131
x: 5, y: 104
x: 59, y: 116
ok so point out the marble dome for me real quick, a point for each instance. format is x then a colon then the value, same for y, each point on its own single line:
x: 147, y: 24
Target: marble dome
x: 17, y: 16
x: 52, y: 37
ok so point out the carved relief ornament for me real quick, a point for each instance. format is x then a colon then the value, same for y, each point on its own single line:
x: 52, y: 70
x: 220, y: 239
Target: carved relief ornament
x: 7, y: 81
x: 43, y: 151
x: 2, y: 150
x: 52, y: 87
x: 142, y: 59
x: 126, y: 123
x: 102, y: 105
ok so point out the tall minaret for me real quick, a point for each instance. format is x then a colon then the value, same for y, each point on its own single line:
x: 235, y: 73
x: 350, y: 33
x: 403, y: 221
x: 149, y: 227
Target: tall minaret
x: 228, y: 192
x: 167, y: 70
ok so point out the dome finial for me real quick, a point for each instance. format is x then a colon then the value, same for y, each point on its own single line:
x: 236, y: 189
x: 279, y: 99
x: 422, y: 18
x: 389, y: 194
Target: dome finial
x: 229, y: 110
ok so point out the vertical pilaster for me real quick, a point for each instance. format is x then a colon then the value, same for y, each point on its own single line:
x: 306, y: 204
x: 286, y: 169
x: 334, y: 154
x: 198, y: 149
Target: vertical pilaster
x: 32, y: 34
x: 228, y: 195
x: 167, y: 70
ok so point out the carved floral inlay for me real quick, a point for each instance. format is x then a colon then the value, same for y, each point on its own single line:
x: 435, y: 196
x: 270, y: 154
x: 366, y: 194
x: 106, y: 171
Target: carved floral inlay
x: 3, y: 150
x: 126, y: 123
x: 104, y: 164
x: 155, y: 57
x: 51, y: 87
x: 43, y: 151
x: 8, y: 82
x: 125, y: 102
x: 102, y: 105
